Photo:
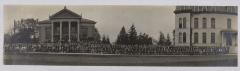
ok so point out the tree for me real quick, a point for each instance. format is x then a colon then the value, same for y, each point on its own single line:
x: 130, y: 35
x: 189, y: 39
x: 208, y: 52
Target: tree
x: 122, y: 37
x: 104, y: 39
x: 132, y: 35
x: 161, y: 39
x: 144, y: 39
x: 7, y: 38
x: 168, y: 42
x: 108, y: 41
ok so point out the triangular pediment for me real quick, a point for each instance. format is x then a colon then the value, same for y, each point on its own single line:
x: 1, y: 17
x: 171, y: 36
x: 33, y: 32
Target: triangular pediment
x: 65, y: 13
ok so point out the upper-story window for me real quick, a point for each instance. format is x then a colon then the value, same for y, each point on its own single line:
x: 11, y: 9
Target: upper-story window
x: 184, y: 22
x: 180, y: 22
x: 229, y: 23
x: 212, y: 22
x: 195, y: 22
x: 204, y: 21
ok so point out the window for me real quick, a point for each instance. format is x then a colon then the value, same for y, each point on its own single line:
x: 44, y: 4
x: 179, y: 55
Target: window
x: 180, y: 22
x: 229, y: 23
x: 212, y: 37
x: 184, y: 37
x: 195, y: 22
x: 213, y: 23
x: 204, y: 20
x: 180, y: 37
x: 184, y: 22
x: 204, y: 37
x: 195, y: 37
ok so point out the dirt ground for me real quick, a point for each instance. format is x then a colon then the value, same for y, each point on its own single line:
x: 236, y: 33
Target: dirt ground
x: 118, y: 60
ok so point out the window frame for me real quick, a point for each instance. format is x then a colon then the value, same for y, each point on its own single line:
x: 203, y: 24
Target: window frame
x: 180, y: 23
x: 196, y: 23
x: 204, y: 37
x: 204, y: 22
x: 213, y: 37
x: 213, y: 23
x: 195, y: 37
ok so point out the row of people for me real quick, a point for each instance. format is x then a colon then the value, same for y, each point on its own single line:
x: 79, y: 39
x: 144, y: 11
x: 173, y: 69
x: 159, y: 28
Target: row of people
x: 114, y: 49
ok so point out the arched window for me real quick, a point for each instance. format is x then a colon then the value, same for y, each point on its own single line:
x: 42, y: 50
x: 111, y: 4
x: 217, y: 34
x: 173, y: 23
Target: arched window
x: 212, y: 22
x: 184, y: 37
x: 180, y: 22
x: 229, y: 23
x: 195, y: 37
x: 195, y: 22
x: 184, y: 22
x: 180, y: 37
x: 204, y: 21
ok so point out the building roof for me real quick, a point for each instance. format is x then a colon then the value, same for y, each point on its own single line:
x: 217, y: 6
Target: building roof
x: 44, y: 22
x: 207, y: 9
x: 83, y: 20
x: 65, y: 13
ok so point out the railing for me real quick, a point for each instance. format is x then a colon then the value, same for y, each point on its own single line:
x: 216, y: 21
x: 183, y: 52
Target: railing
x: 113, y: 49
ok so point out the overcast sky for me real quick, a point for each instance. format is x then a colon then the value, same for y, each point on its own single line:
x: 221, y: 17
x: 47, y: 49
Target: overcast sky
x: 110, y: 19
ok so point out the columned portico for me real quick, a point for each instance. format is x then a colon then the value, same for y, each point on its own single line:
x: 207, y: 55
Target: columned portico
x: 67, y: 26
x: 67, y: 30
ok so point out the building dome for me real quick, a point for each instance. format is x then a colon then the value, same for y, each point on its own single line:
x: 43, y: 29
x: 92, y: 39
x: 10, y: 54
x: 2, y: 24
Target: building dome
x: 207, y: 9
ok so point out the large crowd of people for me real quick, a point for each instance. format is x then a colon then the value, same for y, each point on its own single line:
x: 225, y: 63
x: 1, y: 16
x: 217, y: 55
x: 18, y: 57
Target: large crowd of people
x: 97, y: 48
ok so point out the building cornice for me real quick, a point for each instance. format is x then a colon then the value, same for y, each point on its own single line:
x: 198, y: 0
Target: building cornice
x: 203, y: 12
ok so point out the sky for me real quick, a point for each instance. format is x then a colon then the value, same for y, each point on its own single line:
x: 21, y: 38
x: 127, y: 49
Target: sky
x: 110, y: 19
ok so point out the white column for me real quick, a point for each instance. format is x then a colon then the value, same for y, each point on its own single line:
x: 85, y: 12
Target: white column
x: 78, y: 24
x: 52, y: 32
x: 69, y: 31
x: 60, y: 31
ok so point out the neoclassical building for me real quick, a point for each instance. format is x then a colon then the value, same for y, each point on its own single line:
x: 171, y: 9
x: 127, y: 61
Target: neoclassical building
x: 206, y: 26
x: 67, y: 26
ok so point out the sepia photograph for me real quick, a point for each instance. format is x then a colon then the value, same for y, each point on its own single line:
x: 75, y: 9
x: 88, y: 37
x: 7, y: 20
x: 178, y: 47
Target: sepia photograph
x: 121, y: 35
